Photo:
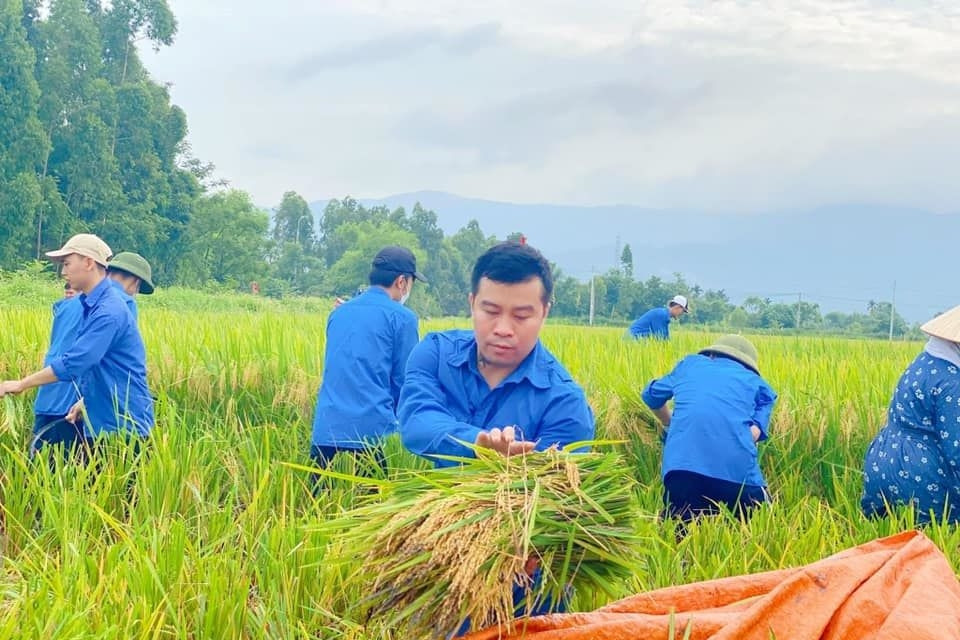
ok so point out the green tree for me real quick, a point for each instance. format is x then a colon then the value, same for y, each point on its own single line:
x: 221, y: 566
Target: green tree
x: 626, y: 261
x: 293, y: 221
x: 712, y: 307
x: 22, y: 141
x: 361, y: 242
x: 225, y: 241
x: 302, y: 270
x: 423, y: 224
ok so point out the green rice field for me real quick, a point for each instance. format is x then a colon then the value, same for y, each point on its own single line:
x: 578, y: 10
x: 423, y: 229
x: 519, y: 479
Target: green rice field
x: 223, y: 542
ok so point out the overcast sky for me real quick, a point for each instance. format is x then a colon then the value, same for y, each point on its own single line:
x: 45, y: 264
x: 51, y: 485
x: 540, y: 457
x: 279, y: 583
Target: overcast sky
x: 722, y: 105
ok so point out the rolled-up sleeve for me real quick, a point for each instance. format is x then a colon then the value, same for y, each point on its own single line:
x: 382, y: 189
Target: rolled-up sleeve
x: 427, y: 428
x: 658, y: 391
x: 88, y: 349
x: 765, y: 399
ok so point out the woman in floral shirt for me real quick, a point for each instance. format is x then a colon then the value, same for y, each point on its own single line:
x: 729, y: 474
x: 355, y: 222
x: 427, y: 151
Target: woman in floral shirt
x: 915, y: 459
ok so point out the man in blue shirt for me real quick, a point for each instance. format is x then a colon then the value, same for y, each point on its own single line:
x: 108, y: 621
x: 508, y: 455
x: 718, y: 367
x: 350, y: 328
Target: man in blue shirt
x: 107, y: 361
x: 496, y: 386
x: 131, y: 273
x: 369, y: 339
x: 721, y: 410
x: 656, y: 322
x: 55, y: 400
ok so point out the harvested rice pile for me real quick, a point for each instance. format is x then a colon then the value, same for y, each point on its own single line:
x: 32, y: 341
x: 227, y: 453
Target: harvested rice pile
x: 450, y: 544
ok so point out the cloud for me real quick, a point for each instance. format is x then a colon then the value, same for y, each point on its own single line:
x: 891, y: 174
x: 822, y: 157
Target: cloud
x: 716, y: 105
x: 396, y: 46
x: 528, y: 127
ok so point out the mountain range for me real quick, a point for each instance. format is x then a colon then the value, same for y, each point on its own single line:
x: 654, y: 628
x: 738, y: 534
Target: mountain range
x: 839, y: 256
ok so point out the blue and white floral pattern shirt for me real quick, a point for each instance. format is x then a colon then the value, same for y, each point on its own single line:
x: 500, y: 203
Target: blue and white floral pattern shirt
x: 915, y: 459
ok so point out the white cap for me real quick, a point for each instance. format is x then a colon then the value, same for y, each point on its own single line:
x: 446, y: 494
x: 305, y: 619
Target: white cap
x: 84, y: 244
x: 679, y: 300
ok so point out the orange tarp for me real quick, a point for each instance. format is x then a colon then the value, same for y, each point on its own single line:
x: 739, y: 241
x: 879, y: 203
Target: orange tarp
x: 894, y: 588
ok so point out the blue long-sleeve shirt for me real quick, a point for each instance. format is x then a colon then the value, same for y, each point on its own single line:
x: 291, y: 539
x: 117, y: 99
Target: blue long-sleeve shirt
x: 716, y: 400
x: 56, y: 399
x: 368, y: 341
x: 108, y: 363
x: 446, y: 399
x: 127, y: 299
x: 654, y: 323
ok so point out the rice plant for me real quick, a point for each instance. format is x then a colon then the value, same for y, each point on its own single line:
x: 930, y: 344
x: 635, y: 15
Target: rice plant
x: 220, y: 535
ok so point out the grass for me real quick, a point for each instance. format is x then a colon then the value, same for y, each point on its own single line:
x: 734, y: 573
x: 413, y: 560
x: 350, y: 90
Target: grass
x: 223, y: 539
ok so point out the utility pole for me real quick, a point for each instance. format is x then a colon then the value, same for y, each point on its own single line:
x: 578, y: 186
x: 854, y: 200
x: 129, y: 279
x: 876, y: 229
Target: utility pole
x: 593, y: 278
x: 616, y: 255
x: 799, y: 299
x: 893, y: 307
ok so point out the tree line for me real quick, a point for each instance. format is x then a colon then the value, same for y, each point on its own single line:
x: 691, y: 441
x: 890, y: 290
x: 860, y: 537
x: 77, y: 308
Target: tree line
x: 90, y: 143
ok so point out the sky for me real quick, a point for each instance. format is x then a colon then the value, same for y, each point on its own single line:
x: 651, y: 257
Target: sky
x: 727, y: 106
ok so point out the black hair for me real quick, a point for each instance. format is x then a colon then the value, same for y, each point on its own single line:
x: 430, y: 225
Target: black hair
x: 385, y: 277
x: 513, y: 263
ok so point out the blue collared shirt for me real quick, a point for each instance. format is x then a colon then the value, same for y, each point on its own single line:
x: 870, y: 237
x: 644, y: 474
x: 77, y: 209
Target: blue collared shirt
x: 446, y: 399
x: 368, y: 341
x: 127, y: 299
x: 108, y: 362
x: 57, y: 398
x: 654, y: 323
x: 715, y: 402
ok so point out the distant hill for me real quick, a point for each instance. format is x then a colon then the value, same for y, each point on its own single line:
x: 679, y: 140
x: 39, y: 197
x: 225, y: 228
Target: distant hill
x: 839, y: 256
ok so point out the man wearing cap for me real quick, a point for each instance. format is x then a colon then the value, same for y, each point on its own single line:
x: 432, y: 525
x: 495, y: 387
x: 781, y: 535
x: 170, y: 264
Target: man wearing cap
x: 914, y: 460
x: 132, y: 274
x: 369, y: 338
x: 656, y: 322
x: 721, y: 411
x: 107, y: 361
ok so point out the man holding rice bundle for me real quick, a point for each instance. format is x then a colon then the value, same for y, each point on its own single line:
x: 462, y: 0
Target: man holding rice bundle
x: 496, y: 386
x: 721, y: 411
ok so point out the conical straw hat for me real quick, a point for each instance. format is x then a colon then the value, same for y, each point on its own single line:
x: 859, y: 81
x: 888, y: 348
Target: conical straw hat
x: 946, y: 325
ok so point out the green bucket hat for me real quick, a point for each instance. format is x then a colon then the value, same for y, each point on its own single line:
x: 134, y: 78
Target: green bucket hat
x: 736, y: 347
x: 134, y: 264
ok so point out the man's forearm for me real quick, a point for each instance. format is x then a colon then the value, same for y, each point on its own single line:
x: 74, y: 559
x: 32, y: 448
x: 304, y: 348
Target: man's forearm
x: 38, y: 379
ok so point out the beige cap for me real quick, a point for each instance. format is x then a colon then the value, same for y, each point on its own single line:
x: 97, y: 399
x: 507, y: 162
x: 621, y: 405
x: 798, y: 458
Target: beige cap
x: 84, y: 244
x: 946, y: 325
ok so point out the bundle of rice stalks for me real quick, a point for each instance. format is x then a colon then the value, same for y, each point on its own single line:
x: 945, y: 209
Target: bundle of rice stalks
x: 453, y: 544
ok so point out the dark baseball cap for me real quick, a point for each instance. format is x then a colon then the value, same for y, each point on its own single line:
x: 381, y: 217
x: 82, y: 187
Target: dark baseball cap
x: 398, y: 260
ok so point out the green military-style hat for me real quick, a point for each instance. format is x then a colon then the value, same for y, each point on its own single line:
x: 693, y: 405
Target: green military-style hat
x: 134, y: 264
x: 736, y: 347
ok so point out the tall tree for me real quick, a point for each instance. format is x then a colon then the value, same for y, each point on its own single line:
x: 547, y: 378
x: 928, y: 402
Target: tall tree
x: 225, y: 241
x: 293, y: 221
x: 626, y: 261
x: 22, y: 140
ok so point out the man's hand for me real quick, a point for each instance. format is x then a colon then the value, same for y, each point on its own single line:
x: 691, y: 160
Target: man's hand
x: 504, y: 441
x: 10, y: 387
x: 75, y: 413
x: 755, y: 432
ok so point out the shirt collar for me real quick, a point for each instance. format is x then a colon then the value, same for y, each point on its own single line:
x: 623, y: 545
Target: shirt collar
x: 534, y: 368
x: 98, y: 291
